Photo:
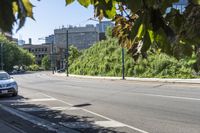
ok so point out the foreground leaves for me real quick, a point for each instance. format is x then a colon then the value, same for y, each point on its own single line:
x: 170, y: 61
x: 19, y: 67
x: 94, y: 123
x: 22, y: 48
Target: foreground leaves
x: 141, y: 25
x: 14, y: 11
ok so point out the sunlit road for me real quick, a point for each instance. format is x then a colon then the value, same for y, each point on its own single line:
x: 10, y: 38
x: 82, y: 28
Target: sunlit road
x: 91, y: 105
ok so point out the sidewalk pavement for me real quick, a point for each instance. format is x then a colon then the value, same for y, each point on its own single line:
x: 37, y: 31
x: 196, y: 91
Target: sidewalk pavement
x: 8, y: 128
x: 164, y: 80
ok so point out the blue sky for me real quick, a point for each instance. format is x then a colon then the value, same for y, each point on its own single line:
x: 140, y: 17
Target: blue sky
x: 51, y: 14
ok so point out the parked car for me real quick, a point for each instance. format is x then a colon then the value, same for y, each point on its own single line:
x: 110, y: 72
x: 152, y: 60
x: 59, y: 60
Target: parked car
x: 61, y: 70
x: 19, y: 71
x: 7, y: 84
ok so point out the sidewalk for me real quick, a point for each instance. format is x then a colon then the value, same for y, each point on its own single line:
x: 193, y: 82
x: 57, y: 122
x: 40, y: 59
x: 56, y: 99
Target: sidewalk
x: 7, y: 128
x: 166, y: 80
x: 10, y: 123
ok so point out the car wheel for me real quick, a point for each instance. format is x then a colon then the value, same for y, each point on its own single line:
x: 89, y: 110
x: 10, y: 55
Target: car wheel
x: 15, y: 94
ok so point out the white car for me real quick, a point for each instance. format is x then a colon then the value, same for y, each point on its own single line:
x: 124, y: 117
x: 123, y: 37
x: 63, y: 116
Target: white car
x: 7, y: 84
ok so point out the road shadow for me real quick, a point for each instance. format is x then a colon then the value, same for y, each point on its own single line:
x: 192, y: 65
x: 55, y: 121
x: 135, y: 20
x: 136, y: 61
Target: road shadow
x: 81, y: 123
x: 10, y: 97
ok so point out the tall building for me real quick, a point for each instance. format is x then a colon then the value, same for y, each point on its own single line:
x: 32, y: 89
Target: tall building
x: 49, y: 39
x: 21, y: 42
x: 38, y: 50
x: 81, y: 37
x: 102, y: 26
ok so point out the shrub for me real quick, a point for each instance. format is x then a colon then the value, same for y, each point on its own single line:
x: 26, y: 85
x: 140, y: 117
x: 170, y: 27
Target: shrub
x: 34, y: 68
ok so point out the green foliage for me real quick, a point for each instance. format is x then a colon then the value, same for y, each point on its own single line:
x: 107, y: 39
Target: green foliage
x: 104, y: 59
x: 109, y: 32
x: 139, y: 24
x: 164, y: 66
x: 33, y: 67
x: 74, y: 53
x: 46, y: 64
x: 14, y: 55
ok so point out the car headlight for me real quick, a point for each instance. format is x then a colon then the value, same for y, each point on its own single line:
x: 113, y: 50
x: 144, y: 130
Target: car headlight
x: 12, y: 84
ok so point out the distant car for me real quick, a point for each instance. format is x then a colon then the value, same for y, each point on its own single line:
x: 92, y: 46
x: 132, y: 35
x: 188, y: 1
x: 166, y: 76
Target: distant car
x: 13, y: 72
x: 61, y: 70
x: 17, y: 72
x: 7, y: 84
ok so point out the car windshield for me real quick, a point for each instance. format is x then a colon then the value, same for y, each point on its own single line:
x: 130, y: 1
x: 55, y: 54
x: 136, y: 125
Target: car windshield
x: 4, y: 76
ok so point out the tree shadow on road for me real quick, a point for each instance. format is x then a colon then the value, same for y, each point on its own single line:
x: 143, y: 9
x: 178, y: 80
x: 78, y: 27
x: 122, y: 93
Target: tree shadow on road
x: 71, y: 117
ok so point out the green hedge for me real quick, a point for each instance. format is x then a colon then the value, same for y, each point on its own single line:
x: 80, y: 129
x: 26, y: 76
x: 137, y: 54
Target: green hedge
x: 104, y: 59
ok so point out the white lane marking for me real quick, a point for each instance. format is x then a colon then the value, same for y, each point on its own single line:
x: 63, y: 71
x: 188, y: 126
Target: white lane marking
x: 58, y: 99
x: 168, y: 96
x: 28, y: 100
x: 38, y: 121
x: 131, y: 127
x: 36, y: 109
x: 109, y: 124
x: 105, y: 124
x: 19, y: 104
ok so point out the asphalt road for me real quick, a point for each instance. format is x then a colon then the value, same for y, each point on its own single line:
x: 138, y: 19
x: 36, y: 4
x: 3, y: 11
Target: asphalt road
x: 91, y: 105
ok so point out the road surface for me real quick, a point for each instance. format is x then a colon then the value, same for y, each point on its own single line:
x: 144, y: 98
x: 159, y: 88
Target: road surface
x: 115, y: 106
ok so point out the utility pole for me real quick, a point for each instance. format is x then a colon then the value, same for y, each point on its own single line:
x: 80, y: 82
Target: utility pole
x: 52, y: 56
x: 123, y: 68
x: 67, y: 53
x: 1, y: 56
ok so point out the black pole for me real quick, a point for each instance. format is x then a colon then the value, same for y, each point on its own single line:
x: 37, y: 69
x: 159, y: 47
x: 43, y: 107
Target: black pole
x: 1, y: 56
x: 67, y: 54
x: 52, y: 63
x: 123, y: 68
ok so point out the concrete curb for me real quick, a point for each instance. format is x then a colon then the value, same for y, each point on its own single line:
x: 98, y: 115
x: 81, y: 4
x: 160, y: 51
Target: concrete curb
x: 187, y: 81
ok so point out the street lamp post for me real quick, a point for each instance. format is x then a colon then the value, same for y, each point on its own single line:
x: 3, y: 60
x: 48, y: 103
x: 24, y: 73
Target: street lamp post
x: 1, y: 56
x: 67, y: 53
x: 123, y: 68
x: 52, y: 58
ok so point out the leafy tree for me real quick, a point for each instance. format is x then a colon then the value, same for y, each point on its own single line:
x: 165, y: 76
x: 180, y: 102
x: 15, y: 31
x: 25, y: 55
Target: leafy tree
x: 104, y: 59
x: 46, y: 64
x: 139, y: 24
x: 74, y: 53
x: 142, y: 24
x: 14, y: 55
x: 109, y: 32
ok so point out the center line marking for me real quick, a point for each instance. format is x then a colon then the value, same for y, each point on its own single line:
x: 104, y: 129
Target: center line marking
x: 131, y: 127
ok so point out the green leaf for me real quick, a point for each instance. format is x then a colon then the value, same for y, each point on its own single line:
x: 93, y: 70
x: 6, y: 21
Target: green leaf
x: 135, y: 27
x: 29, y: 8
x: 69, y: 2
x: 146, y: 42
x: 151, y: 35
x: 111, y: 13
x: 196, y: 2
x: 84, y: 3
x: 140, y: 31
